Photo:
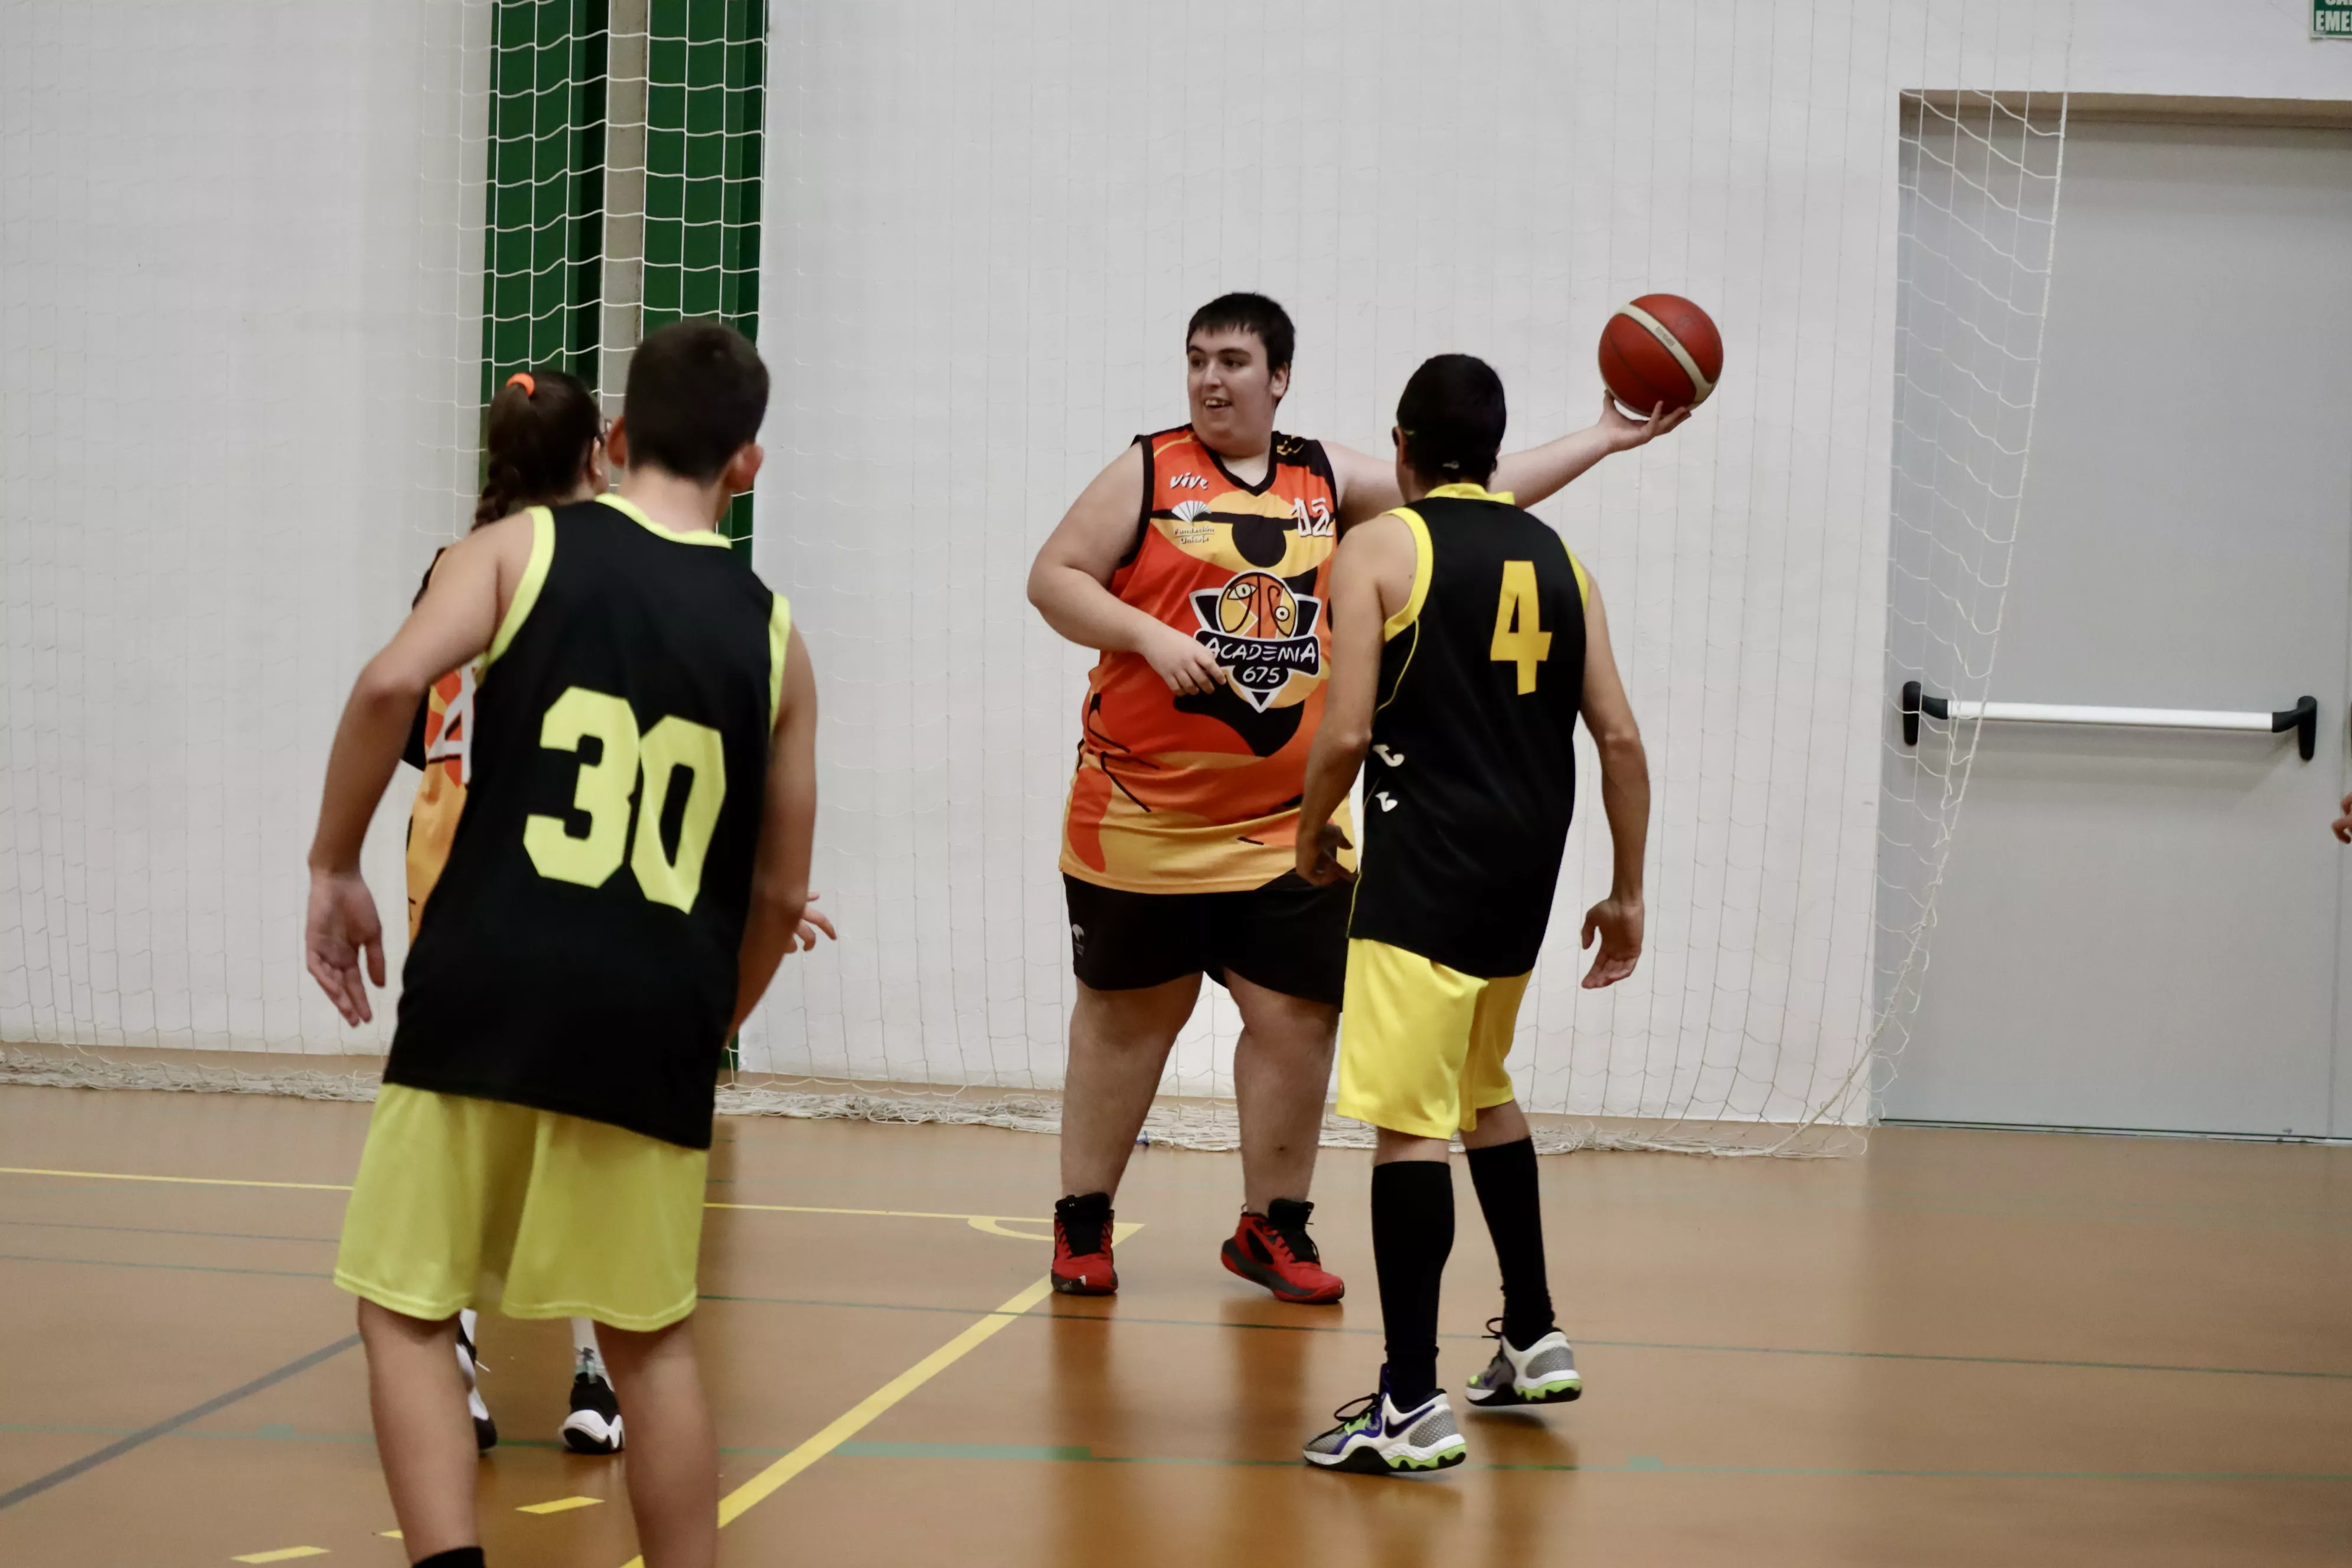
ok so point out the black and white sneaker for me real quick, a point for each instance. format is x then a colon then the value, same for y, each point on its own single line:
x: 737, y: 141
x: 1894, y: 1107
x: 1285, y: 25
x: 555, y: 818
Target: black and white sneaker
x: 594, y: 1425
x: 486, y: 1431
x: 1543, y: 1373
x: 1375, y: 1438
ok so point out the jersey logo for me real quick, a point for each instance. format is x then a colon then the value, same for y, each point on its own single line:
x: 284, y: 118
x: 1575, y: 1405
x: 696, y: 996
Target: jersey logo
x: 1383, y: 797
x: 1313, y: 517
x: 1393, y: 758
x: 1186, y: 510
x: 1188, y: 482
x: 1261, y: 631
x: 454, y: 741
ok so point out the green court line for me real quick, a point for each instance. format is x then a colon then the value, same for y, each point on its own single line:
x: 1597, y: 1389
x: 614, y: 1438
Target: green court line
x: 1080, y: 1454
x: 171, y: 1423
x: 174, y: 1268
x: 1115, y: 1317
x: 166, y: 1230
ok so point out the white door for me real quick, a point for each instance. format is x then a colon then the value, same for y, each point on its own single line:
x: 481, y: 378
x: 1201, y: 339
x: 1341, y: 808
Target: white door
x: 2142, y: 928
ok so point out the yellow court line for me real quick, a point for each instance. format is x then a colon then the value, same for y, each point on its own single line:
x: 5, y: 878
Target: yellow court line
x: 560, y: 1505
x: 283, y: 1554
x: 984, y: 1222
x: 863, y: 1414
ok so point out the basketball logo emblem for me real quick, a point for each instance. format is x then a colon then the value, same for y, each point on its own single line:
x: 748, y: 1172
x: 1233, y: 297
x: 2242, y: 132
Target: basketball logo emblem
x: 1262, y: 630
x: 1257, y: 604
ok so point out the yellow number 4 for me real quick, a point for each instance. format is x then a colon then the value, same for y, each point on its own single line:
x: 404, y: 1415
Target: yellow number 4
x: 1519, y: 636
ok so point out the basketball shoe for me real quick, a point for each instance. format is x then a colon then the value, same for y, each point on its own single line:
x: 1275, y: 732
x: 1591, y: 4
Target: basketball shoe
x: 1543, y: 1373
x: 1082, y: 1265
x: 594, y: 1425
x: 1273, y: 1249
x: 1375, y: 1438
x: 486, y: 1431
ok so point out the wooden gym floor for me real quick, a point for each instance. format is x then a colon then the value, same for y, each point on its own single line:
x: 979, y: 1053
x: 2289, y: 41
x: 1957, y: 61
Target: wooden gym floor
x: 1963, y: 1347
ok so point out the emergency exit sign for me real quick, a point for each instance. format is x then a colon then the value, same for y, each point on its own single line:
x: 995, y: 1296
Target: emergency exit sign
x: 2331, y: 18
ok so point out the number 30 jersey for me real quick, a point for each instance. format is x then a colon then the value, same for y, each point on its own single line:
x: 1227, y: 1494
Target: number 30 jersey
x: 1471, y: 779
x: 578, y: 953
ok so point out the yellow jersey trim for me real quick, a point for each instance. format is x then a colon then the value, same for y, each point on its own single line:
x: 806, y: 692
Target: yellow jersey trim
x: 1583, y: 582
x: 526, y: 593
x: 779, y: 645
x: 1465, y: 490
x: 636, y: 514
x: 1424, y: 561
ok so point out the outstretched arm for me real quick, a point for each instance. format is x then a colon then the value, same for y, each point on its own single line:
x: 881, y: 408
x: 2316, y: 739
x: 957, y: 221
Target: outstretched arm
x: 1624, y: 796
x: 1371, y: 576
x: 787, y: 833
x: 1368, y: 484
x: 1070, y: 582
x: 452, y: 622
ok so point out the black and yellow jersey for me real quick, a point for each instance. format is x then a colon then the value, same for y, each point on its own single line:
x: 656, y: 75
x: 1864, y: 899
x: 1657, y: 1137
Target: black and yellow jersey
x: 1472, y: 777
x: 578, y: 952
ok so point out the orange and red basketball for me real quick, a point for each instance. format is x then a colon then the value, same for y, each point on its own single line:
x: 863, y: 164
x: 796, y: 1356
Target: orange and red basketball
x: 1660, y: 349
x: 1257, y: 604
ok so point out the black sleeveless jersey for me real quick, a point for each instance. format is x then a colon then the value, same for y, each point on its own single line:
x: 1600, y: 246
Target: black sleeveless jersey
x: 579, y: 952
x: 1471, y: 775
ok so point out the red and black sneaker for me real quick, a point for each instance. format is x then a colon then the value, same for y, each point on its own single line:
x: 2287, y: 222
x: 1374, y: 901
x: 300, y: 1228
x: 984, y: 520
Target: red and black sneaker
x: 1273, y: 1249
x: 1082, y: 1247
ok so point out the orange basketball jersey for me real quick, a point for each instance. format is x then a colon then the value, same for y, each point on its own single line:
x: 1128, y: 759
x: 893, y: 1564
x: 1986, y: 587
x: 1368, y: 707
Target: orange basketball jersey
x: 1200, y: 795
x: 443, y: 745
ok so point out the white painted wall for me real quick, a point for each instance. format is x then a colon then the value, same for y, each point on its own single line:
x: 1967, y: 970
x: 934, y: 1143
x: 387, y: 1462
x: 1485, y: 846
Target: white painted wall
x: 233, y: 361
x: 211, y: 249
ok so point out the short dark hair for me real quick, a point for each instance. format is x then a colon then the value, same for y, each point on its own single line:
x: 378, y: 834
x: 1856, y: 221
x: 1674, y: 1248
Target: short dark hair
x: 697, y: 394
x: 1249, y: 313
x: 536, y: 436
x: 1451, y: 415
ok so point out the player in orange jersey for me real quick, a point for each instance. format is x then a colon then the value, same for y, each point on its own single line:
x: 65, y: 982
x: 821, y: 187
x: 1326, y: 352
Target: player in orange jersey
x: 1197, y: 562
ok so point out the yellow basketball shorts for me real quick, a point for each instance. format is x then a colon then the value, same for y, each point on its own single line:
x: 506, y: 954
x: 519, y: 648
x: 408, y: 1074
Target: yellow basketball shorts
x: 466, y: 1202
x: 1422, y: 1046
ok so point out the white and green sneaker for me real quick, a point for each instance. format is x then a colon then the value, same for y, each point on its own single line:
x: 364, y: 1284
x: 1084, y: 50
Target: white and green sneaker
x: 1543, y: 1373
x: 1375, y: 1438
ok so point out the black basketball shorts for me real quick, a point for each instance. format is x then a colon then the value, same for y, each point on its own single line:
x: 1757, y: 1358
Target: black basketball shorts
x: 1289, y: 936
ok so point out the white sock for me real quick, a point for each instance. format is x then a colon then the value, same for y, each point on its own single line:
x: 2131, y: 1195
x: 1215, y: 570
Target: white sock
x: 583, y: 1343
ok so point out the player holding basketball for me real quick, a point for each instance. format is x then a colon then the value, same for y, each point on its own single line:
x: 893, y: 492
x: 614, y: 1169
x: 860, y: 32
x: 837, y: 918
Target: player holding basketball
x: 1196, y: 562
x: 630, y: 868
x: 1466, y: 641
x: 543, y: 445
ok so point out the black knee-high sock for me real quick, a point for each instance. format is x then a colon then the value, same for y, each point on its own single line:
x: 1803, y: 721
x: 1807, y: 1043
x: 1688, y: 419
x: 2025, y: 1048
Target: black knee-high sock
x: 1505, y: 1175
x: 455, y: 1557
x: 1412, y: 1232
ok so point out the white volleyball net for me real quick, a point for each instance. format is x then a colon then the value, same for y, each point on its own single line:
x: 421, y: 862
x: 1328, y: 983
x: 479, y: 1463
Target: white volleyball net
x: 967, y: 241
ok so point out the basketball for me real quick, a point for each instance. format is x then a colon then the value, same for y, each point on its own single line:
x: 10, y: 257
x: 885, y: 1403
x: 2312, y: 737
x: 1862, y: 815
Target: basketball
x: 1660, y: 349
x: 1257, y: 604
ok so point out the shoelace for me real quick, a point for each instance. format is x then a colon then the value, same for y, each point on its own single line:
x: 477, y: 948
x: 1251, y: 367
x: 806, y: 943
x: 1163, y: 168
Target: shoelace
x: 1082, y: 1236
x: 1356, y: 1409
x: 1294, y: 1237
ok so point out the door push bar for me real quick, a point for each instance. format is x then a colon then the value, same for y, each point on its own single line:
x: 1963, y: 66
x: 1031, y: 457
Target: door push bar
x: 2303, y: 718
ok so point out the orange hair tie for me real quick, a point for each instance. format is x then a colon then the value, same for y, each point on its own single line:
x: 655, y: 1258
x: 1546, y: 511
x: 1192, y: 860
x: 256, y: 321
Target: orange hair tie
x: 523, y: 379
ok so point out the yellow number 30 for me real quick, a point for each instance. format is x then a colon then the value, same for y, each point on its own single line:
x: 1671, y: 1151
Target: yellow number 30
x: 1519, y: 636
x: 603, y: 791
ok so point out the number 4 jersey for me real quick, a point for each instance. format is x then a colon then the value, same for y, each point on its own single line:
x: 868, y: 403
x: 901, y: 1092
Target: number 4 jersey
x: 1472, y: 777
x: 578, y: 952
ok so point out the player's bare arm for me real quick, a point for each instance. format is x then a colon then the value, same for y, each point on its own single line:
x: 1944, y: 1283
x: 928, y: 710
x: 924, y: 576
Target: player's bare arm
x: 1368, y: 484
x: 1070, y: 582
x: 780, y: 875
x: 1372, y: 578
x: 1616, y: 920
x: 452, y: 622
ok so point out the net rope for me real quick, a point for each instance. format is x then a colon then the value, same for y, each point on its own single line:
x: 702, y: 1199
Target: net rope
x: 981, y: 235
